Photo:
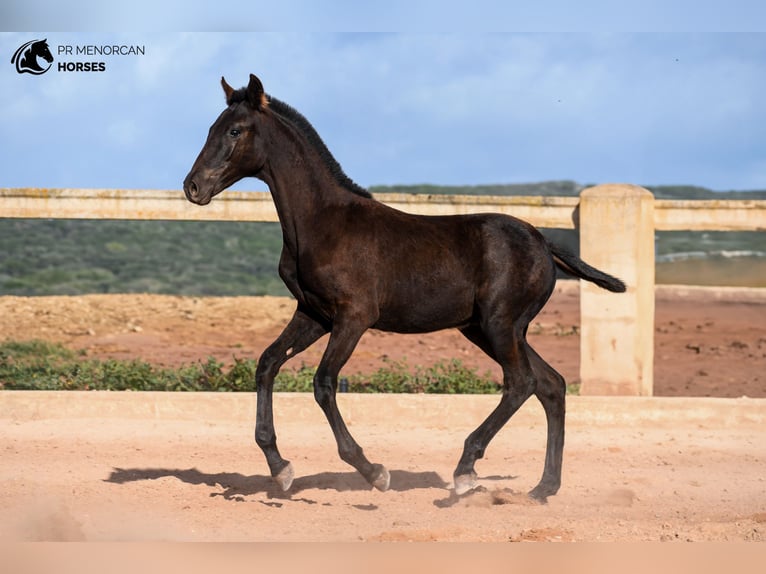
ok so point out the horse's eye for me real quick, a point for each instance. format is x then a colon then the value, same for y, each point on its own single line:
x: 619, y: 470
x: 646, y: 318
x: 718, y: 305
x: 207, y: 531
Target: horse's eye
x: 235, y: 133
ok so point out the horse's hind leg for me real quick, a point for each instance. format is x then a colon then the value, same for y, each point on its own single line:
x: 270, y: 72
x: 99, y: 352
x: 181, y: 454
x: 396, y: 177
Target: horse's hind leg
x: 551, y: 391
x: 300, y: 333
x: 518, y: 384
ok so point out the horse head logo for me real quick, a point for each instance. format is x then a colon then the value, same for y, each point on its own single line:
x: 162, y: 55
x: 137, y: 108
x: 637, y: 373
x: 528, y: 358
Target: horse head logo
x: 26, y: 57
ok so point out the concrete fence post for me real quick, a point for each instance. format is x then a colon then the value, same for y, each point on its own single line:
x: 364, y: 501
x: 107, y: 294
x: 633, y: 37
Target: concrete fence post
x: 617, y: 329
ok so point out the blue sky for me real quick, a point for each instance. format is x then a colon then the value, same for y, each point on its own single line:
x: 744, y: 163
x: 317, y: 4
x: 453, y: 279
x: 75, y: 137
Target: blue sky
x: 407, y: 107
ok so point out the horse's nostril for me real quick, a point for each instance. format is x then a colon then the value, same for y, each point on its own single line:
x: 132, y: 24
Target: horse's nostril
x: 193, y: 189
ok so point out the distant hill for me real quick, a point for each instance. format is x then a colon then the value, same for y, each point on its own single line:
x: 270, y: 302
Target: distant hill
x: 69, y: 257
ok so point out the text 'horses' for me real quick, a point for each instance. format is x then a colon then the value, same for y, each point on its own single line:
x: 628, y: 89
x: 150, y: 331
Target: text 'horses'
x: 354, y: 263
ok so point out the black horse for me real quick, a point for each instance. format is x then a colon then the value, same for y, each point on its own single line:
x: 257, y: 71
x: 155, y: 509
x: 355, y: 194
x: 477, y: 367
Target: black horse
x: 354, y: 263
x: 26, y: 56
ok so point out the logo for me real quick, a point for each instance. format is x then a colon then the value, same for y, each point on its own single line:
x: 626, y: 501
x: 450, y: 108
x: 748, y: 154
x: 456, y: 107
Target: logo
x: 31, y: 58
x: 27, y: 57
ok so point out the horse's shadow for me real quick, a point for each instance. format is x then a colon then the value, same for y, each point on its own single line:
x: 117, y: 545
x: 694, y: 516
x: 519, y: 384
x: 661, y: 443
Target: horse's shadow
x: 237, y: 486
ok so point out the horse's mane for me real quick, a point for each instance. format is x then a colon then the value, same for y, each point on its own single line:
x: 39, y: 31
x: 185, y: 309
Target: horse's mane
x: 297, y: 119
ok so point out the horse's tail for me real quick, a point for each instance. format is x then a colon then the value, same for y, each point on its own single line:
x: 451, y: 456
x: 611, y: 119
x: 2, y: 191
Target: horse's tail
x: 573, y: 265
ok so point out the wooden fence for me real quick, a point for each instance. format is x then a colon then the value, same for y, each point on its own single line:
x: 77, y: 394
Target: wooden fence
x: 616, y: 223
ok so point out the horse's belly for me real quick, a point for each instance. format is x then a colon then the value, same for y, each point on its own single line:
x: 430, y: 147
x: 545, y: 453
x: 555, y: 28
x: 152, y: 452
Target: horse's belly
x: 424, y: 316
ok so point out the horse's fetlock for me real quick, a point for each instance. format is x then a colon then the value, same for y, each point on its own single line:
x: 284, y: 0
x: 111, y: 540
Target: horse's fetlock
x: 264, y: 438
x: 350, y: 453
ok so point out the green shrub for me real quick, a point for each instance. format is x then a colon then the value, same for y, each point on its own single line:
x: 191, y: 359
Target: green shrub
x: 296, y: 381
x: 40, y: 365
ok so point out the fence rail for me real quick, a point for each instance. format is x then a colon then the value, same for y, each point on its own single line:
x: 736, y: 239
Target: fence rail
x: 558, y: 212
x: 616, y: 223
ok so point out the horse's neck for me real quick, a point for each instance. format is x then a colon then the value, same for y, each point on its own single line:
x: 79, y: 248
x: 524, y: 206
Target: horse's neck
x: 29, y: 59
x: 300, y: 183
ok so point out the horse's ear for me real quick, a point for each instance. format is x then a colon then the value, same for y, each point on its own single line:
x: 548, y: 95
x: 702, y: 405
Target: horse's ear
x: 227, y: 89
x: 255, y: 95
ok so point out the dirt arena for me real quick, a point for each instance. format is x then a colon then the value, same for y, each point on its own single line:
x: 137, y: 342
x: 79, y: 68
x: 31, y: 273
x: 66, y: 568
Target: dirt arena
x: 153, y: 466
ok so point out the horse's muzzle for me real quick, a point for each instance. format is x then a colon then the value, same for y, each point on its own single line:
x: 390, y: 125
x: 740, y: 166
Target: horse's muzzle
x: 194, y: 194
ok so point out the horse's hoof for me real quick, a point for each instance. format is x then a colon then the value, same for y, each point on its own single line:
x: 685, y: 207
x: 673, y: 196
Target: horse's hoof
x: 284, y: 478
x: 383, y: 480
x: 538, y: 497
x: 541, y: 493
x: 465, y: 483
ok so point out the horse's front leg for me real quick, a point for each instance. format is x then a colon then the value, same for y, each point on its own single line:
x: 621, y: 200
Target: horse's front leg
x: 299, y: 334
x: 344, y: 338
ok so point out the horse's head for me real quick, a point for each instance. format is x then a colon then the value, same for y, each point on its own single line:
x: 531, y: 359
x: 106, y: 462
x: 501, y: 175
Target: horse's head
x: 41, y: 50
x: 234, y: 148
x: 26, y: 56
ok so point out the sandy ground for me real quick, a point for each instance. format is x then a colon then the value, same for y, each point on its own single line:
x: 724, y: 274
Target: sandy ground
x: 167, y: 467
x: 144, y: 466
x: 708, y: 342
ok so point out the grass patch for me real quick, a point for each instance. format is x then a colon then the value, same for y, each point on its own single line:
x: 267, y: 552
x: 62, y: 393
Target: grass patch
x: 43, y: 366
x: 40, y: 365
